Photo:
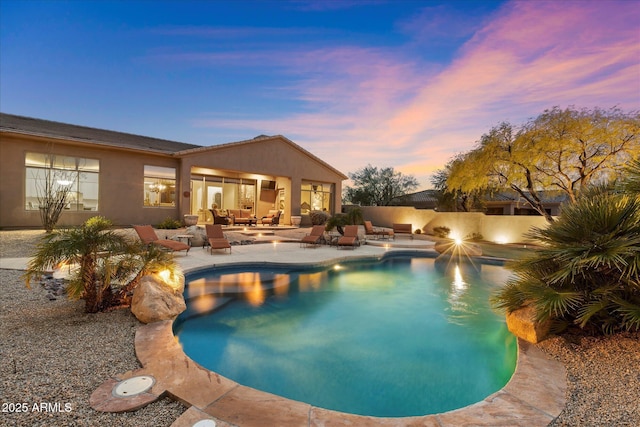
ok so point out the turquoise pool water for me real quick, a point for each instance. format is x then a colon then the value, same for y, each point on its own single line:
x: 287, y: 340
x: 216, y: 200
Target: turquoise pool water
x: 401, y: 337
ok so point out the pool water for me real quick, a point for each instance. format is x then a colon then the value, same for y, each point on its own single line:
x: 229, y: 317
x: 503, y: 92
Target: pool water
x: 401, y: 337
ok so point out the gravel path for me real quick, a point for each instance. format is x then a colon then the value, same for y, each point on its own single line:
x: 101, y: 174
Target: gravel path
x: 51, y: 352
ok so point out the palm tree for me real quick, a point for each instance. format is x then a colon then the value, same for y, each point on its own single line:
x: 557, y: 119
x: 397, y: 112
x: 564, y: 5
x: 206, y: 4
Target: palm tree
x: 631, y: 183
x: 137, y: 263
x: 102, y: 257
x: 588, y: 271
x: 352, y: 217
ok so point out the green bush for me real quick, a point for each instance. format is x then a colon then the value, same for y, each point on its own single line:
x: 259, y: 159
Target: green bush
x: 587, y: 274
x: 352, y: 217
x: 169, y: 224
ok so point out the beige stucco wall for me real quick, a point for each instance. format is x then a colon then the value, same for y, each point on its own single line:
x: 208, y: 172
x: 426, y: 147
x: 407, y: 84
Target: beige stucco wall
x: 272, y: 158
x: 121, y: 178
x: 121, y: 181
x: 492, y: 227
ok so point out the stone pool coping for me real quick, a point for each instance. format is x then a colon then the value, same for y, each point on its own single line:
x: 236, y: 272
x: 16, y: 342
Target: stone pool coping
x: 534, y: 396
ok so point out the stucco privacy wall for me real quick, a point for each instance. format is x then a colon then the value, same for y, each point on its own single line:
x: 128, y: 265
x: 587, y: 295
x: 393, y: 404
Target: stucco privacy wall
x: 492, y: 227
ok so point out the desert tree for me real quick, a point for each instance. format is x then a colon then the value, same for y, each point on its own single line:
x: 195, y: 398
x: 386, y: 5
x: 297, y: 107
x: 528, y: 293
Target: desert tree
x: 562, y: 150
x: 373, y: 186
x: 53, y: 186
x: 460, y: 197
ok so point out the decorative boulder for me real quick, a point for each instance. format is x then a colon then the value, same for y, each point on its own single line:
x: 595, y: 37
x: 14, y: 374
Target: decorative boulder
x: 153, y: 300
x: 199, y: 235
x: 522, y: 324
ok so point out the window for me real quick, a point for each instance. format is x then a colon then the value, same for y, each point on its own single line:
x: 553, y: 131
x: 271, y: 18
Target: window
x: 49, y: 174
x: 159, y: 186
x: 316, y: 197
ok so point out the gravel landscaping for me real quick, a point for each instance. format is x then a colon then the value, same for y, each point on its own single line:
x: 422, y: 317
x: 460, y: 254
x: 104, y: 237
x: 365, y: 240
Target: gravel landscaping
x: 53, y: 356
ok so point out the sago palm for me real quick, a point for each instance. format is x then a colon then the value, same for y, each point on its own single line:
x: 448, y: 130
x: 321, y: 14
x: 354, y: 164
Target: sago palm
x: 101, y: 256
x: 139, y: 261
x: 632, y: 182
x: 587, y: 272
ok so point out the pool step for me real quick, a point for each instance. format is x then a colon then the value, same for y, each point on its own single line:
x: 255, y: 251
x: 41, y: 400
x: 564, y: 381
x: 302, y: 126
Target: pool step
x: 265, y: 282
x: 257, y: 233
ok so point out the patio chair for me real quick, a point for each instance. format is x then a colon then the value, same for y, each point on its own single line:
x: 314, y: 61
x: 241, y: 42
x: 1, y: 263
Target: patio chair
x: 148, y: 236
x: 349, y: 238
x: 314, y: 238
x: 370, y: 230
x: 216, y: 238
x: 273, y: 218
x: 219, y: 219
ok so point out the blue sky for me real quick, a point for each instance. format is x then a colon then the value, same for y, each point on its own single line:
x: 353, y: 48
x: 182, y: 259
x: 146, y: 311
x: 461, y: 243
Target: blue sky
x: 406, y: 84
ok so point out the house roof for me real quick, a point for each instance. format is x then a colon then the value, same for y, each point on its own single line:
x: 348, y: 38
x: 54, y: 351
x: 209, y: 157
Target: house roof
x: 424, y: 197
x: 513, y: 197
x: 50, y: 129
x: 430, y: 197
x: 258, y: 139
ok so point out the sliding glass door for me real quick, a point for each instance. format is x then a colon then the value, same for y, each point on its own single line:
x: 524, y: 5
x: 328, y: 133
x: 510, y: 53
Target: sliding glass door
x: 216, y: 192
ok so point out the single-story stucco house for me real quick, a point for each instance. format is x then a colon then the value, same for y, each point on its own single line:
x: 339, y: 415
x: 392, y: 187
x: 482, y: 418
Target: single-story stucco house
x: 132, y: 179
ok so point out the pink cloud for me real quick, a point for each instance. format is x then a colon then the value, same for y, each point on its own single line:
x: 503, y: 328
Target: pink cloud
x: 388, y: 109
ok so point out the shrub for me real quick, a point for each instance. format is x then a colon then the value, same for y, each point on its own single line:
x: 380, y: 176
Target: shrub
x: 169, y: 224
x: 587, y: 274
x: 474, y: 237
x: 104, y: 259
x: 352, y: 217
x: 441, y: 231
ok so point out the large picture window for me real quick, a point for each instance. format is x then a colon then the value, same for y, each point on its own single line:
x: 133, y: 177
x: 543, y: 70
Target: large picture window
x: 49, y: 174
x: 159, y: 186
x: 316, y: 196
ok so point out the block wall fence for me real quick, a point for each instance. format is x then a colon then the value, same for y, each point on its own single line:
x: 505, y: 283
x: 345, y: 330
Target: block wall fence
x: 495, y: 228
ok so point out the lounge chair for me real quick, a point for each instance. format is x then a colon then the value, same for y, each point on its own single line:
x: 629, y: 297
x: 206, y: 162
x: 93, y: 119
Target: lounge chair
x: 403, y: 229
x: 273, y: 218
x: 377, y: 233
x: 349, y: 238
x: 216, y: 238
x: 315, y: 237
x: 148, y: 236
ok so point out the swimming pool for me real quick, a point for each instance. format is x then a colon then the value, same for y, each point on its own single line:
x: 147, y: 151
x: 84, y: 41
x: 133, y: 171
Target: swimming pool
x: 405, y: 336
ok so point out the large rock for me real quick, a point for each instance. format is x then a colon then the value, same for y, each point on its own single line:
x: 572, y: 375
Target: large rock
x: 522, y: 324
x: 154, y: 300
x: 199, y: 235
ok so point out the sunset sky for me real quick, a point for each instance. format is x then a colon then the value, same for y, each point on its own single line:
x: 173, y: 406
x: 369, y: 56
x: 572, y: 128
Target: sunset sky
x: 406, y: 84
